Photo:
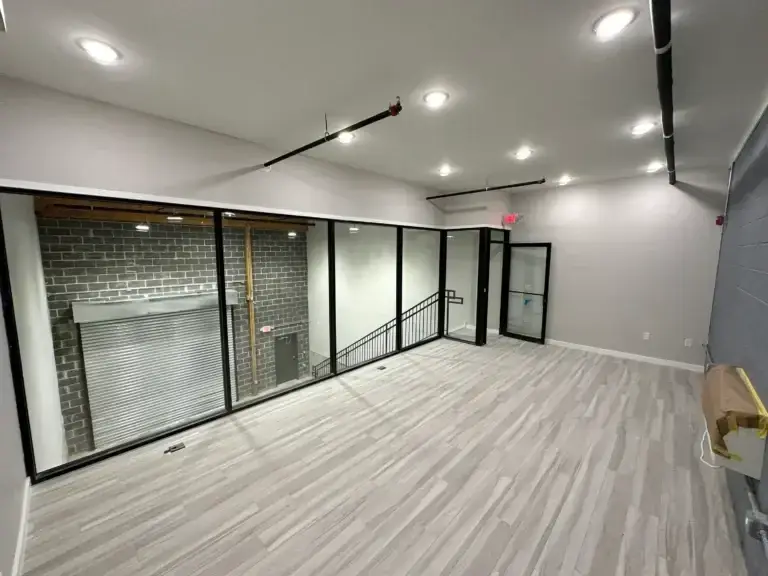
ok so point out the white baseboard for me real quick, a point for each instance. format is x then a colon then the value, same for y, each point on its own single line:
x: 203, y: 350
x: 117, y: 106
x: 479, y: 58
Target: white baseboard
x: 629, y: 356
x: 21, y: 538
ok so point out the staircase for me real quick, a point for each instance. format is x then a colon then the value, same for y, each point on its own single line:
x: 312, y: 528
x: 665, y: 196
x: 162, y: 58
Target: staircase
x: 419, y: 322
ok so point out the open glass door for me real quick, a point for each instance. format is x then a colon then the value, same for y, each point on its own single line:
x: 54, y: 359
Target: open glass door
x: 527, y: 289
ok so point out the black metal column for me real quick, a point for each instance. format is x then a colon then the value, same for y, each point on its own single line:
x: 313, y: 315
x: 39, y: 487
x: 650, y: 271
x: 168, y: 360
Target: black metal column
x: 332, y: 295
x: 221, y: 287
x: 14, y: 354
x: 504, y: 304
x: 399, y: 293
x: 441, y: 303
x: 483, y: 271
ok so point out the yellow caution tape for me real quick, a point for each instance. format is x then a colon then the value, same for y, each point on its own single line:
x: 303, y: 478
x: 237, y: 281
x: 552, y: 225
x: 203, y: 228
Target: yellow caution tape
x: 763, y: 429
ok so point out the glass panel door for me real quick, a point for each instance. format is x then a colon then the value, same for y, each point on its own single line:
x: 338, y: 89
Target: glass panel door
x: 461, y: 269
x: 528, y: 287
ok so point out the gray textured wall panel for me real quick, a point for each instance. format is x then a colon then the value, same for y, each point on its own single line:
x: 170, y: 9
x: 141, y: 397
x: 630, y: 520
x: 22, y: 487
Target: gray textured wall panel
x: 739, y: 328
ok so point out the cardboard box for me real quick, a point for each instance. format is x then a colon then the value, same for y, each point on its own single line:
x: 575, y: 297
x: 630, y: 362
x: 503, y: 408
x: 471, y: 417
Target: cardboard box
x: 736, y: 419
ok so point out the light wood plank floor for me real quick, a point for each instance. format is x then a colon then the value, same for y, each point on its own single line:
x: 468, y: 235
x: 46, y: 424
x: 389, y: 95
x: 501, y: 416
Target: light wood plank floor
x: 510, y: 459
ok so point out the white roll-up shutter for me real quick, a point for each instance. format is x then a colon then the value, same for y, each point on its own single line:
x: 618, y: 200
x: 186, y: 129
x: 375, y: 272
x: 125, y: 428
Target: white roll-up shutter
x: 151, y: 373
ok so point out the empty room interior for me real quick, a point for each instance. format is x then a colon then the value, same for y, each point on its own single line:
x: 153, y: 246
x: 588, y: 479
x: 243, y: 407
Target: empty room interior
x: 353, y: 287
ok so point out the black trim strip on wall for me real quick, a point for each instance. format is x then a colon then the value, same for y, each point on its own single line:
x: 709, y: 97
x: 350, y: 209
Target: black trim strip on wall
x: 221, y: 286
x: 14, y: 355
x: 399, y: 291
x: 504, y: 304
x: 441, y: 303
x: 483, y: 275
x: 332, y: 297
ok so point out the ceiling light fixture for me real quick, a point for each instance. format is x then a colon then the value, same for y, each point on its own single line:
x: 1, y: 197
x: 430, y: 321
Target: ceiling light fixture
x: 565, y: 179
x: 229, y: 214
x: 99, y: 52
x: 436, y: 99
x: 354, y: 229
x: 613, y: 24
x: 142, y: 227
x: 643, y: 128
x: 175, y: 218
x: 291, y: 234
x: 445, y: 170
x: 523, y: 153
x: 346, y: 137
x: 449, y: 237
x: 654, y: 166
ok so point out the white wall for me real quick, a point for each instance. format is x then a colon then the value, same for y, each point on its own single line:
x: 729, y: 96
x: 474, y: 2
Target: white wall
x: 629, y: 256
x: 365, y: 279
x: 51, y: 137
x: 494, y: 286
x: 33, y: 324
x: 319, y: 311
x: 461, y: 276
x: 421, y: 265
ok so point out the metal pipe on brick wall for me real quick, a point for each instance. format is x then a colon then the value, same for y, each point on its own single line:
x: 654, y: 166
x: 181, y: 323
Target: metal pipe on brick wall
x: 249, y: 302
x: 661, y: 18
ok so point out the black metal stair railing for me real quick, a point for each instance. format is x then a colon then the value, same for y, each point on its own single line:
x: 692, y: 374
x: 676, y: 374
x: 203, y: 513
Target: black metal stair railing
x: 419, y: 322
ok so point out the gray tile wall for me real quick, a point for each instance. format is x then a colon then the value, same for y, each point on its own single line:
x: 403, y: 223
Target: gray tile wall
x: 106, y: 261
x: 739, y: 327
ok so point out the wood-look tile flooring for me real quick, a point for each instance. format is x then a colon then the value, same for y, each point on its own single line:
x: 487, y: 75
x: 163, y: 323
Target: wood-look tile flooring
x: 509, y: 459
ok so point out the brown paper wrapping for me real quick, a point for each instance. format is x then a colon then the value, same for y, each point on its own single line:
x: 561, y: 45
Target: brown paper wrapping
x: 728, y: 404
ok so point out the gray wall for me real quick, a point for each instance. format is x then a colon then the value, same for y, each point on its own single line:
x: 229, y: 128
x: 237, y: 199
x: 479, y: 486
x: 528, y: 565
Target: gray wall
x: 105, y: 261
x: 628, y: 256
x: 739, y: 330
x: 12, y: 472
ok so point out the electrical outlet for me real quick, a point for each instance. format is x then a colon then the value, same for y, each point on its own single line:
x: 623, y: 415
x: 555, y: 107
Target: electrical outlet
x: 688, y: 342
x: 646, y: 335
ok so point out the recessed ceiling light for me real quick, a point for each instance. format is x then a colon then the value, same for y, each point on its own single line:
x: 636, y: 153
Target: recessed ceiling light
x: 613, y: 23
x: 354, y: 229
x: 445, y: 170
x: 229, y: 214
x: 565, y: 179
x: 654, y: 166
x: 523, y: 153
x: 436, y: 99
x: 99, y: 51
x: 142, y: 227
x: 175, y: 218
x: 643, y: 128
x: 291, y: 234
x: 346, y: 137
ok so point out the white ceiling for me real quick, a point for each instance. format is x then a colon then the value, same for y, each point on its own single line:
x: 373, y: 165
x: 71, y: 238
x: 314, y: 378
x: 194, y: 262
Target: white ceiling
x: 518, y: 72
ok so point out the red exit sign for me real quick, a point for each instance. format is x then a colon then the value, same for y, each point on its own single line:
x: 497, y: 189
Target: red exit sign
x: 511, y: 218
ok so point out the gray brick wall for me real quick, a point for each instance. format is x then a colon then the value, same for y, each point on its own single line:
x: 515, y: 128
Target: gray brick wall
x: 107, y: 261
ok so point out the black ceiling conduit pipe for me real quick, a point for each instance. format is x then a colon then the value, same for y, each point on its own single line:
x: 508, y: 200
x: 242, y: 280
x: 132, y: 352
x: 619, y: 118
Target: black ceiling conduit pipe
x: 479, y: 190
x: 661, y: 18
x: 393, y: 110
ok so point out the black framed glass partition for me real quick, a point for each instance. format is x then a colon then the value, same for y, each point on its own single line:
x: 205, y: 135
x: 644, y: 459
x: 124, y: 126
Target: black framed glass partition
x: 420, y: 285
x: 365, y: 269
x: 129, y: 321
x: 117, y: 316
x: 276, y: 274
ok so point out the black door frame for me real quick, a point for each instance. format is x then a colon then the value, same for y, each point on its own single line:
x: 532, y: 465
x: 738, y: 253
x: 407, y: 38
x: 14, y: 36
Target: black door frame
x: 505, y: 291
